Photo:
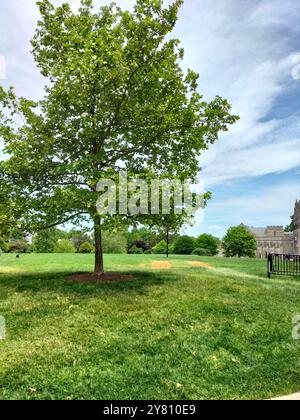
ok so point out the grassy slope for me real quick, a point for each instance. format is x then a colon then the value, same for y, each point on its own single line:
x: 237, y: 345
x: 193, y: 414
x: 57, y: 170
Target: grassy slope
x: 186, y: 333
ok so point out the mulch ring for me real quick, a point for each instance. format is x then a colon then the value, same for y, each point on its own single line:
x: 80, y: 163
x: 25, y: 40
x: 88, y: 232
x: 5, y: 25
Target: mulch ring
x: 105, y: 278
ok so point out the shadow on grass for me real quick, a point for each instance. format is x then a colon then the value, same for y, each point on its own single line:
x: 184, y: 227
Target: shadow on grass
x: 55, y: 282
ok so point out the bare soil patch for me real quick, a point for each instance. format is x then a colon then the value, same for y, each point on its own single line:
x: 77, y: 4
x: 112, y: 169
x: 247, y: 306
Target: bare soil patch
x: 105, y: 278
x: 161, y: 265
x: 200, y: 264
x: 10, y: 270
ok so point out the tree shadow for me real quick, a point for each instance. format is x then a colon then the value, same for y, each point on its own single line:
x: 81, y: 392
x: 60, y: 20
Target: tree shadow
x: 56, y: 282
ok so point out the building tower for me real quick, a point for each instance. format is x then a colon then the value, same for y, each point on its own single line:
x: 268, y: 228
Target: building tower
x: 296, y: 219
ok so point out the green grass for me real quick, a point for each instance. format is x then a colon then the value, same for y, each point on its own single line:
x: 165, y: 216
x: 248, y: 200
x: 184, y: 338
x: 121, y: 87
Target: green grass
x: 184, y: 333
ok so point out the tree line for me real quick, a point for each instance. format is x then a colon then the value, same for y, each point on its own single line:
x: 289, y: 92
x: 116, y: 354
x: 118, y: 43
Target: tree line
x: 237, y: 242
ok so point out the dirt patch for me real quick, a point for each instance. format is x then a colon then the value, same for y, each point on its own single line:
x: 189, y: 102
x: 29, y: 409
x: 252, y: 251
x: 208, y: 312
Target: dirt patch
x: 10, y: 270
x: 105, y: 278
x: 161, y: 265
x: 200, y: 264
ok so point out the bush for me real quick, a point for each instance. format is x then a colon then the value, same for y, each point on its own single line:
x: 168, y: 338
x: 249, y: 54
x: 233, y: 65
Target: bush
x: 135, y: 250
x: 64, y: 246
x: 19, y: 246
x: 148, y: 252
x: 201, y: 252
x: 3, y: 245
x: 184, y: 245
x: 139, y: 244
x: 86, y: 248
x: 209, y: 242
x: 160, y: 248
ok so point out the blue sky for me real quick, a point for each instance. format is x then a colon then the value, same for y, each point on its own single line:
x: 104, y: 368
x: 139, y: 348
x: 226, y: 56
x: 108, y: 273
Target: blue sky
x: 245, y: 50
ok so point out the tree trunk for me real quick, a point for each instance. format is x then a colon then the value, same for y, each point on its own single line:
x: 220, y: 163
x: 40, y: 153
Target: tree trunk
x: 168, y: 241
x: 99, y: 266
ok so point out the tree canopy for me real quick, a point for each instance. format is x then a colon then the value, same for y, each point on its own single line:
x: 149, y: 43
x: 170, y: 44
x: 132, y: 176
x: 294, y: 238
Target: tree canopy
x: 209, y: 242
x: 239, y: 242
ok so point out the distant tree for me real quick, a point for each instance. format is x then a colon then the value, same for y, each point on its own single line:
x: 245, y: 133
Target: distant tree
x: 291, y: 227
x: 209, y: 242
x: 64, y: 246
x: 145, y: 234
x: 184, y: 245
x: 114, y: 242
x: 160, y: 248
x: 86, y: 248
x: 239, y: 242
x: 79, y: 237
x: 169, y: 227
x: 45, y: 241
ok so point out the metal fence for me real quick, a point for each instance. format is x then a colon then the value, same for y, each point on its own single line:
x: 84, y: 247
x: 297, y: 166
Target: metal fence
x: 284, y: 265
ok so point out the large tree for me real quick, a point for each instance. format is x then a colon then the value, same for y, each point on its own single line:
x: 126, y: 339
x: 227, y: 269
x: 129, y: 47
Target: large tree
x: 209, y: 242
x: 116, y: 98
x: 239, y: 242
x: 292, y: 226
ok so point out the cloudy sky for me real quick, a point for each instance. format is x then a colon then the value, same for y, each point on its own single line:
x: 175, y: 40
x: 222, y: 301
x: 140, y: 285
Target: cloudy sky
x: 245, y: 50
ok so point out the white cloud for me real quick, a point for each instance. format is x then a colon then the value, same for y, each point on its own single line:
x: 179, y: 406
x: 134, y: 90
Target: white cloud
x: 271, y: 152
x: 215, y: 227
x: 242, y: 50
x: 266, y: 203
x: 2, y: 67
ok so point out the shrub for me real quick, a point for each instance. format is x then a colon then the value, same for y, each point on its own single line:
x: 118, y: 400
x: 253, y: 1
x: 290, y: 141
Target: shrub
x: 201, y: 252
x: 206, y: 241
x: 64, y: 246
x: 148, y: 251
x: 86, y: 248
x: 3, y: 245
x: 160, y: 248
x: 135, y: 250
x: 139, y: 244
x: 18, y: 246
x: 184, y: 245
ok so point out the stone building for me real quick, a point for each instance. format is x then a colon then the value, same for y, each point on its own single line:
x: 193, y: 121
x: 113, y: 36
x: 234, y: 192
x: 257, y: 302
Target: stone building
x: 273, y: 239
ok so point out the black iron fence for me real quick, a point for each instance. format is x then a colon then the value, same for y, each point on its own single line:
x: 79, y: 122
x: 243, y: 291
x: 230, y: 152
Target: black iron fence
x: 283, y: 264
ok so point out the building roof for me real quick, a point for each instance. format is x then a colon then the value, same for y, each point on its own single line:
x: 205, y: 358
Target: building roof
x: 257, y: 231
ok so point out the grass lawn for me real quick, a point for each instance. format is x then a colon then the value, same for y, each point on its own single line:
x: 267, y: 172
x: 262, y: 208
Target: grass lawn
x: 186, y: 332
